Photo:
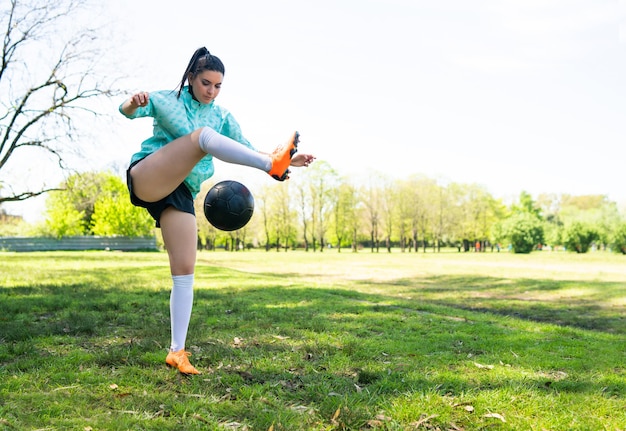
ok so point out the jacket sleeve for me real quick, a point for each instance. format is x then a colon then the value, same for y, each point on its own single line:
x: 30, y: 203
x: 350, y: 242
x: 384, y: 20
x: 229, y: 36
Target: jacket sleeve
x: 142, y: 111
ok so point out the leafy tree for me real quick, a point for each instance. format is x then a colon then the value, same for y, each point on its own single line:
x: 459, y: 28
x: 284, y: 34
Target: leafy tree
x: 528, y: 205
x: 606, y: 220
x: 345, y: 213
x: 63, y: 218
x: 524, y: 228
x: 49, y: 81
x: 114, y: 214
x: 523, y: 231
x: 583, y: 202
x: 322, y: 180
x: 618, y: 240
x: 305, y: 210
x: 405, y: 207
x: 459, y: 208
x: 285, y: 225
x: 277, y: 216
x: 263, y: 207
x: 440, y: 209
x: 553, y: 231
x: 594, y: 212
x: 578, y: 236
x: 95, y: 203
x: 477, y: 211
x: 389, y: 202
x: 414, y: 193
x: 370, y: 195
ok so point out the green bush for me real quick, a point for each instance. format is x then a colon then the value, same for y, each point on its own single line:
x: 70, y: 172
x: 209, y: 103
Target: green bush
x: 578, y: 236
x: 94, y: 203
x: 523, y: 231
x: 618, y: 242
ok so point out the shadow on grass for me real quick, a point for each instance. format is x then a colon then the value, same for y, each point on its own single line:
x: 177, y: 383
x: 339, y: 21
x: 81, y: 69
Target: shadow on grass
x: 592, y: 305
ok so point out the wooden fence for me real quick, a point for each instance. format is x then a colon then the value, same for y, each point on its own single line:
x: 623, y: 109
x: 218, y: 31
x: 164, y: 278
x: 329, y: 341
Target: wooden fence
x: 78, y: 243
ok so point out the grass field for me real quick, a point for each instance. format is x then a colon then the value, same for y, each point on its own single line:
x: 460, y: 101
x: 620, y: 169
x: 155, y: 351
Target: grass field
x: 316, y: 341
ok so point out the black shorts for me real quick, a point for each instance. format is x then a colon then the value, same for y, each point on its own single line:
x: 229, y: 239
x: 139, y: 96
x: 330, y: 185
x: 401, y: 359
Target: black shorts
x: 181, y: 199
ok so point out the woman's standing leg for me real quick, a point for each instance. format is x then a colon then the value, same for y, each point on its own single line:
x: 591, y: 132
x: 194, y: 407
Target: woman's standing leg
x: 180, y: 237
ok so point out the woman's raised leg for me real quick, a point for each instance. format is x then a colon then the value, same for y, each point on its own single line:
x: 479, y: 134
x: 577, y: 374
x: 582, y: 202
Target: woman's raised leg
x: 161, y: 172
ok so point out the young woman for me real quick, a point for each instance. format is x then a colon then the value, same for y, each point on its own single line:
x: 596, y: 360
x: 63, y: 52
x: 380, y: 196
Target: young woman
x: 165, y: 175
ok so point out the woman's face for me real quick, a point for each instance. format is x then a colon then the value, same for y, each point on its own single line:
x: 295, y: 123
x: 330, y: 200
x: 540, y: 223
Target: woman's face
x: 206, y: 85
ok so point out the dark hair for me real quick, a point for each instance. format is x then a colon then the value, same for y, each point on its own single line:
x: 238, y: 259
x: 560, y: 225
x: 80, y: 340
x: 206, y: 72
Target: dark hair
x: 201, y: 60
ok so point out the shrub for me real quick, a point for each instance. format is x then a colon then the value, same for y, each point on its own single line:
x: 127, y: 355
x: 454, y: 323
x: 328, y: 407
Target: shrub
x: 523, y: 231
x: 578, y: 236
x: 618, y: 241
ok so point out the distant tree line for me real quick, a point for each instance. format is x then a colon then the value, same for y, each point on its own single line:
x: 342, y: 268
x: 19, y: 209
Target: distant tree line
x: 318, y: 210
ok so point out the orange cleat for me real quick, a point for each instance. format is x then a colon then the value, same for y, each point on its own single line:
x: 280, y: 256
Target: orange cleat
x: 180, y: 360
x: 281, y: 158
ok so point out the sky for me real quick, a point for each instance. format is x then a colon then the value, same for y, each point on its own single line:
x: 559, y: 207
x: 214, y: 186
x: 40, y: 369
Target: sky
x: 517, y: 95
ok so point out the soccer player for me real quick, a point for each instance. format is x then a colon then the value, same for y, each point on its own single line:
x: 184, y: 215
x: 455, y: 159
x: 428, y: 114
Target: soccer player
x: 165, y: 175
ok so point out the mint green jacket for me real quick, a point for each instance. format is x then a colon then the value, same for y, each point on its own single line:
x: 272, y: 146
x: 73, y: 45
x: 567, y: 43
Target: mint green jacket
x: 175, y: 117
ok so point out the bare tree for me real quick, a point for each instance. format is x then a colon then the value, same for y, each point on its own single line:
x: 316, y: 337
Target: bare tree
x: 50, y: 79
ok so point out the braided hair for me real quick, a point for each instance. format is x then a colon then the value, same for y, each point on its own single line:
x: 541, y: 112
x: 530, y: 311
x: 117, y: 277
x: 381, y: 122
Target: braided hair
x: 201, y: 60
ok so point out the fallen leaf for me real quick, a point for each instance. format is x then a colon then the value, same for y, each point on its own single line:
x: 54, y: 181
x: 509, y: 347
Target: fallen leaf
x: 233, y: 425
x: 302, y: 409
x: 423, y: 420
x: 336, y: 415
x: 200, y: 418
x: 65, y: 388
x: 495, y: 416
x: 487, y: 367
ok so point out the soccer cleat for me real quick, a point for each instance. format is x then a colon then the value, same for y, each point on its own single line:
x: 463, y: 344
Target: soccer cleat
x: 180, y: 360
x: 281, y: 158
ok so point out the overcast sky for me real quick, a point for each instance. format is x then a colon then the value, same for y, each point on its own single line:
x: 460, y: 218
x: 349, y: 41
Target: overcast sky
x: 513, y: 95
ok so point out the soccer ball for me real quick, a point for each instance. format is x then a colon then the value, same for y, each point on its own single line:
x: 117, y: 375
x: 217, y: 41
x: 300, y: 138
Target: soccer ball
x: 228, y: 205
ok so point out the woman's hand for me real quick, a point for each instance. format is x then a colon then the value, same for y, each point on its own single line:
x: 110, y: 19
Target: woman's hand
x: 137, y: 100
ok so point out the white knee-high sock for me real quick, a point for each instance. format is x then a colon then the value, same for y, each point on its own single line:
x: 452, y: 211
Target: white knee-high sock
x: 181, y: 302
x: 231, y: 151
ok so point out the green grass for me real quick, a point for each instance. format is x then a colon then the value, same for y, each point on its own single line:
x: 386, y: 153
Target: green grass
x: 316, y: 341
